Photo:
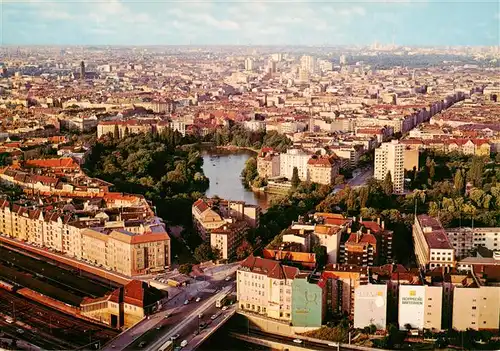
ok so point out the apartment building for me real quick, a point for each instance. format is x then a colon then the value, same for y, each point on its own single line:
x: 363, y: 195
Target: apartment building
x: 223, y: 223
x: 323, y: 169
x: 294, y: 158
x: 389, y: 157
x: 370, y: 306
x: 476, y: 307
x: 432, y: 246
x: 308, y: 301
x: 126, y: 250
x: 268, y: 163
x: 265, y: 287
x: 420, y: 307
x: 370, y: 245
x: 228, y: 237
x: 465, y: 240
x: 341, y: 282
x: 122, y: 128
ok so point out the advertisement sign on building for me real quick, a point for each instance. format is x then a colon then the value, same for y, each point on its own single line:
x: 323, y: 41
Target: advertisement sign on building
x: 370, y: 306
x: 411, y: 306
x: 307, y: 304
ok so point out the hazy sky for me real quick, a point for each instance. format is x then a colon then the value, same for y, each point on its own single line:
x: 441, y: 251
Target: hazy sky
x: 251, y: 22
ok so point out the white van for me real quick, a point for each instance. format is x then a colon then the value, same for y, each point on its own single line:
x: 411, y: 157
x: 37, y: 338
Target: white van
x: 184, y: 343
x: 9, y: 320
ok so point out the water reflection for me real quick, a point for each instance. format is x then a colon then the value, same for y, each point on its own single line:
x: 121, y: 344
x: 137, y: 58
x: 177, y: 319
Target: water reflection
x: 223, y: 168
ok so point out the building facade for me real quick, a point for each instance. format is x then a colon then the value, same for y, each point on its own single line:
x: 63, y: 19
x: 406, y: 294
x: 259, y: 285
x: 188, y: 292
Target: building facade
x: 389, y: 157
x: 420, y: 307
x: 265, y: 287
x: 432, y: 246
x: 370, y: 306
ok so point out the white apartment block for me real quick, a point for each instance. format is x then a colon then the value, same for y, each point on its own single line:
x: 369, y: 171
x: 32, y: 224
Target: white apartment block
x: 308, y: 63
x: 389, y: 157
x: 464, y: 240
x: 294, y: 158
x: 249, y: 66
x: 420, y: 306
x: 265, y: 286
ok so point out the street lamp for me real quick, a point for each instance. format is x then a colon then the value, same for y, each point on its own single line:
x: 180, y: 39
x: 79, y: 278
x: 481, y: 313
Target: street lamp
x: 200, y: 316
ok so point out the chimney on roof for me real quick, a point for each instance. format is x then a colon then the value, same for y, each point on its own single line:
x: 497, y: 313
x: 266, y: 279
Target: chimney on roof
x: 360, y: 219
x: 378, y: 220
x: 369, y: 231
x: 383, y: 224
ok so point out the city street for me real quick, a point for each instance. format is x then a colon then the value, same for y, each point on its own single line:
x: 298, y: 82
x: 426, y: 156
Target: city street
x: 179, y: 315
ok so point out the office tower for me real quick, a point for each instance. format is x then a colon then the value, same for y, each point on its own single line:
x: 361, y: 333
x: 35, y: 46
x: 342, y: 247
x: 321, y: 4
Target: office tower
x: 271, y: 66
x: 389, y: 157
x: 82, y: 70
x: 249, y: 64
x: 308, y: 63
x: 343, y: 60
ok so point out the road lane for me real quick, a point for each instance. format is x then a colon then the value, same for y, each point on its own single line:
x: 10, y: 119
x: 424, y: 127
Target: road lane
x: 188, y: 319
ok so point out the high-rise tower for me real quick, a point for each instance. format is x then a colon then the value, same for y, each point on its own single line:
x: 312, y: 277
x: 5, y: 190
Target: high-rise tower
x: 82, y: 70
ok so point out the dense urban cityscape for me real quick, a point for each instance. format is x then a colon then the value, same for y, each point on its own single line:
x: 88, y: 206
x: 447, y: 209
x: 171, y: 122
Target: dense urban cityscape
x: 246, y: 197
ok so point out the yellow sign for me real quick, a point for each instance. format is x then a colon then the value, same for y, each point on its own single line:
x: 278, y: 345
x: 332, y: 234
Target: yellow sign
x: 413, y: 293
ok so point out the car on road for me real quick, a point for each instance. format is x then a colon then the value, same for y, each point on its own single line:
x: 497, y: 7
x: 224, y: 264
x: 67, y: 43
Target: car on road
x: 224, y: 308
x: 333, y: 344
x: 142, y: 344
x: 184, y: 343
x: 213, y: 317
x: 228, y: 278
x: 9, y: 320
x: 20, y: 331
x: 174, y: 337
x: 198, y: 299
x: 297, y: 341
x: 186, y: 302
x: 203, y: 325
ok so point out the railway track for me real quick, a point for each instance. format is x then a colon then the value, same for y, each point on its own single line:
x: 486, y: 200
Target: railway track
x: 56, y: 324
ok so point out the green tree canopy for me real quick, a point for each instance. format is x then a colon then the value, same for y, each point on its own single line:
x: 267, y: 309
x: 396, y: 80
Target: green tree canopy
x: 295, y: 178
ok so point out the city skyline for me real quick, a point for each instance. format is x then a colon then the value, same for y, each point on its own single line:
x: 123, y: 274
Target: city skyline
x: 154, y: 22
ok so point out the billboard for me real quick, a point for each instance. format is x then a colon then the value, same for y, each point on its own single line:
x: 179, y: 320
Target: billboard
x: 411, y: 306
x: 307, y: 304
x: 370, y: 306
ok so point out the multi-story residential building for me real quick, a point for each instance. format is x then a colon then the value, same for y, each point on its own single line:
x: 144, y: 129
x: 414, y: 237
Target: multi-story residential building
x: 323, y: 169
x: 227, y: 238
x: 308, y: 301
x: 465, y: 240
x: 360, y: 249
x: 268, y: 163
x: 125, y: 250
x: 265, y: 287
x: 432, y: 246
x: 223, y: 223
x: 294, y: 158
x: 341, y: 282
x: 476, y: 307
x: 420, y: 307
x: 370, y: 245
x: 370, y: 306
x: 205, y: 218
x: 389, y: 157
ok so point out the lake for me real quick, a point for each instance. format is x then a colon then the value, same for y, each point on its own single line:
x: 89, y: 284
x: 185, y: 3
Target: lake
x: 223, y: 168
